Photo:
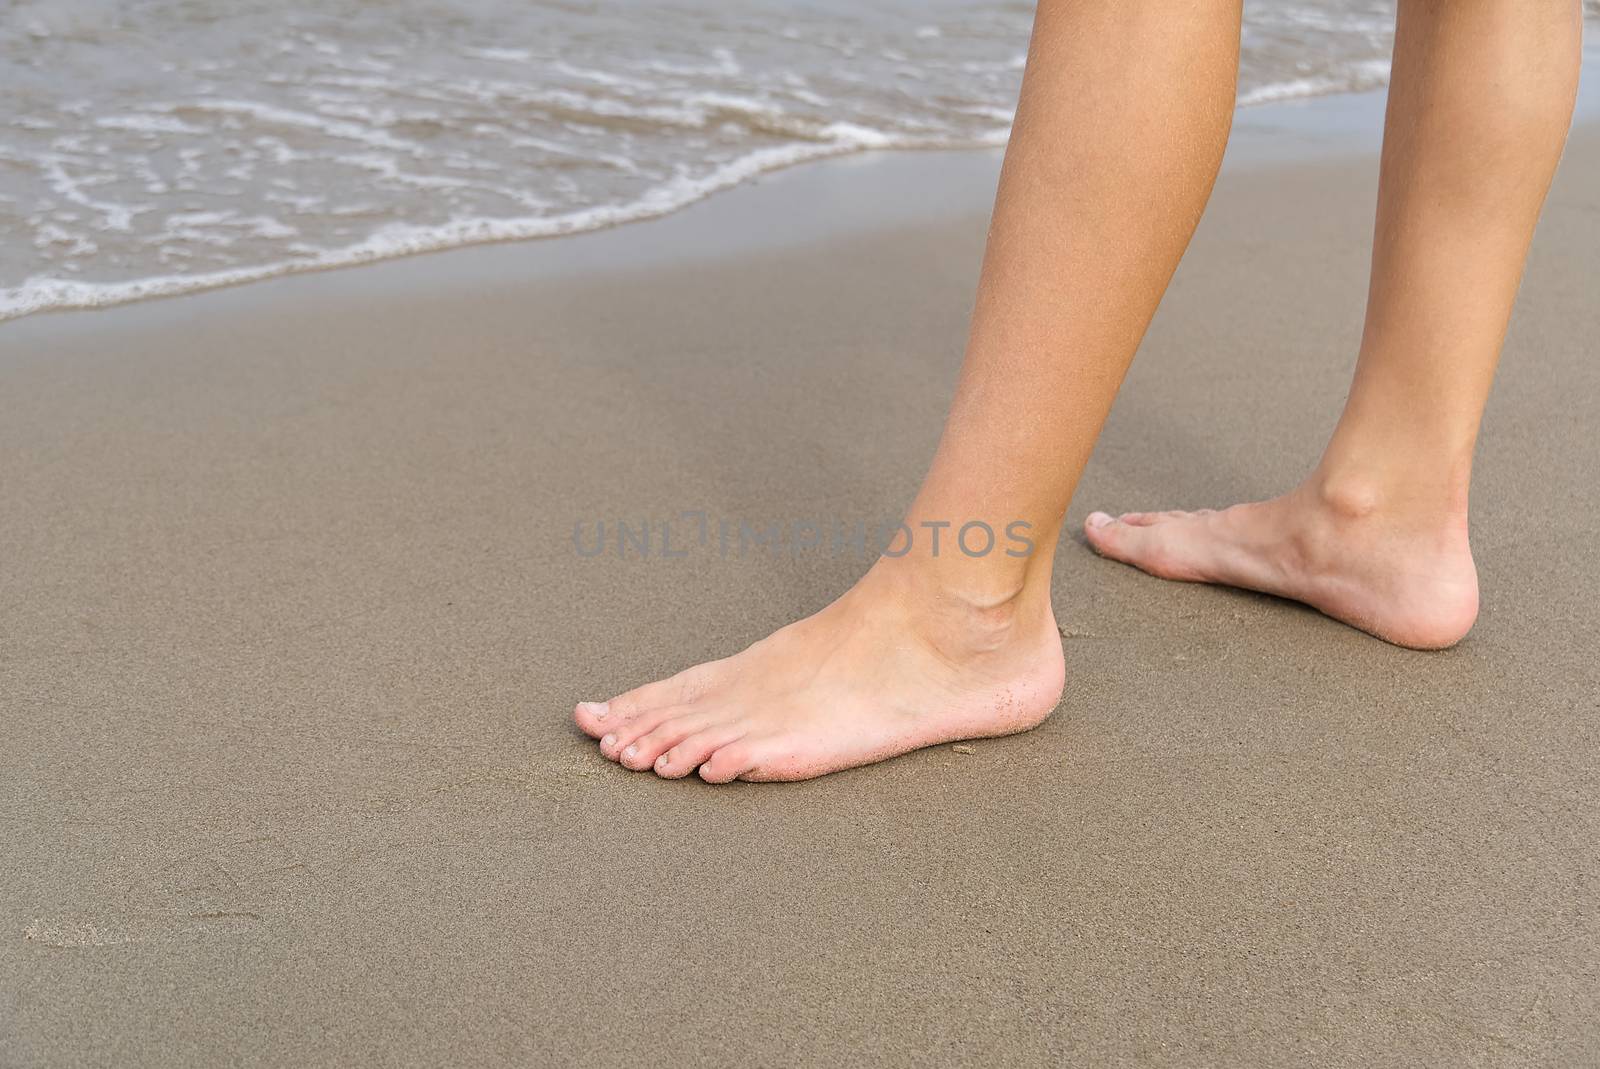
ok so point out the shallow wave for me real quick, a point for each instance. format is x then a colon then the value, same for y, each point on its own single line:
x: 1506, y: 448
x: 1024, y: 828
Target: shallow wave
x: 1357, y: 78
x: 398, y: 239
x: 261, y: 145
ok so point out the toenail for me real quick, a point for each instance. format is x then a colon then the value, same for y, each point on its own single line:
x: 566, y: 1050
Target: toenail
x: 609, y: 740
x: 663, y: 760
x: 1099, y: 519
x: 630, y: 751
x: 598, y: 710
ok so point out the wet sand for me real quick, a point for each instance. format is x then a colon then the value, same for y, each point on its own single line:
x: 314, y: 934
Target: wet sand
x: 293, y: 624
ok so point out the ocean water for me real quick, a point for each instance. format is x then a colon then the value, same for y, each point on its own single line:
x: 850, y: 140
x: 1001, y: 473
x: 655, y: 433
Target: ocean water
x: 153, y: 147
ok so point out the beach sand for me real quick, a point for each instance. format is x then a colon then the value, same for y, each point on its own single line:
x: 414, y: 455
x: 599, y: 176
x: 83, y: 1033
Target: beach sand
x: 293, y: 625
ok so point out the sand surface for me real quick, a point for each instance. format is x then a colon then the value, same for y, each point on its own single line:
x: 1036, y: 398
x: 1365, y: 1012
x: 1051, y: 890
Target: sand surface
x: 293, y: 624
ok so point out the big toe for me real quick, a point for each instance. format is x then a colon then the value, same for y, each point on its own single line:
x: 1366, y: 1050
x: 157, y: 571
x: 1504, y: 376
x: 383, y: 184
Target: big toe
x: 1114, y: 536
x: 593, y: 718
x: 1148, y: 547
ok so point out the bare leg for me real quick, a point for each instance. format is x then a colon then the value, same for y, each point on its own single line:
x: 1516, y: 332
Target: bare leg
x: 1125, y: 109
x: 1479, y: 106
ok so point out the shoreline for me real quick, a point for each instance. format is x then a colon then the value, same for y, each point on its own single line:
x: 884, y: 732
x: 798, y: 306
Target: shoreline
x: 1270, y: 133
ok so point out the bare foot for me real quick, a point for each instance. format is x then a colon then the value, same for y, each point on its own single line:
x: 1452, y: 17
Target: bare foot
x: 883, y: 670
x: 1410, y: 581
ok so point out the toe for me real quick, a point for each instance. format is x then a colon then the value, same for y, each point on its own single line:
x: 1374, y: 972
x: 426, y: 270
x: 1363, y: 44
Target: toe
x: 620, y: 736
x: 642, y: 752
x: 1145, y: 546
x: 592, y: 718
x: 1132, y: 519
x: 1105, y: 532
x: 684, y: 757
x: 728, y: 763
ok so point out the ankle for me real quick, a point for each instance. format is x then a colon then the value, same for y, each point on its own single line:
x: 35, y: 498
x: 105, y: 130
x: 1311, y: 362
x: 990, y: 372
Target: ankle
x: 1349, y: 496
x: 964, y: 613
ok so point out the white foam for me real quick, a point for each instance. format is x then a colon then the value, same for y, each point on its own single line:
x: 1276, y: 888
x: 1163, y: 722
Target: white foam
x: 273, y: 115
x: 1368, y: 74
x: 607, y: 78
x: 114, y: 216
x: 397, y: 239
x: 500, y: 55
x: 147, y: 124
